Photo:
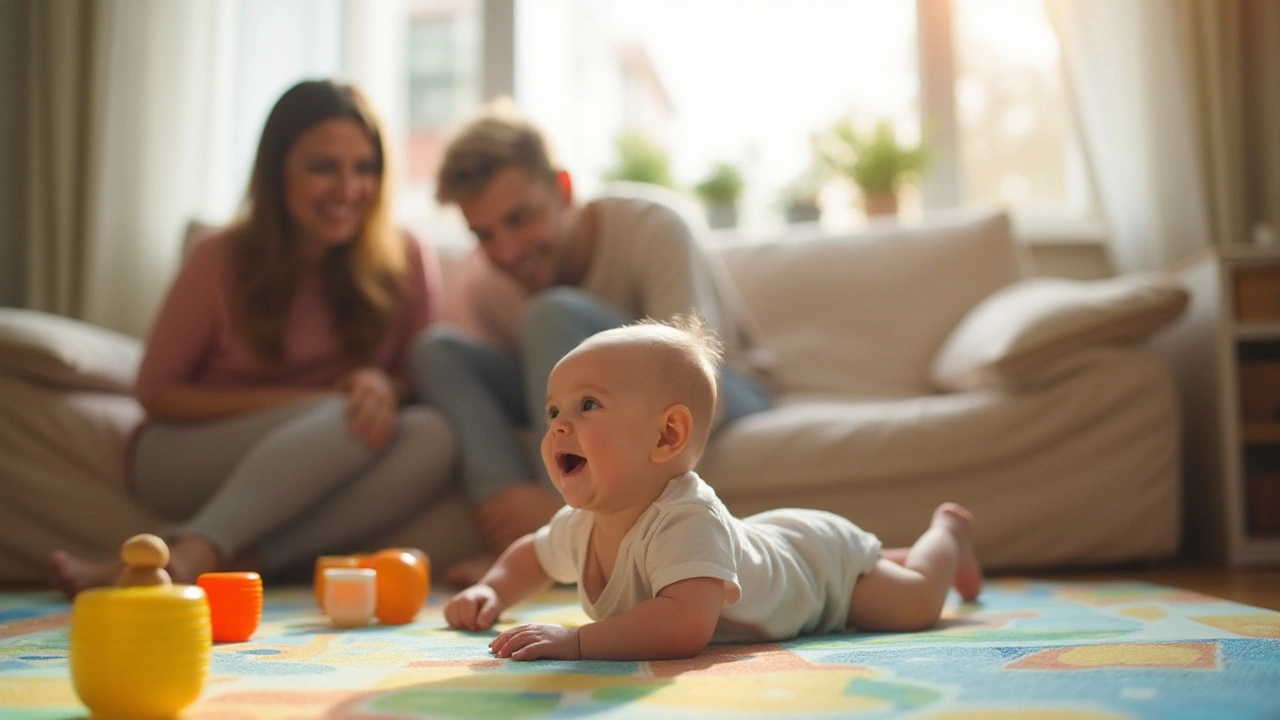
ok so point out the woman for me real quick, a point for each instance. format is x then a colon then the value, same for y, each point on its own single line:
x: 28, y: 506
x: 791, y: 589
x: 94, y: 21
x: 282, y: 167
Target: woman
x: 274, y: 378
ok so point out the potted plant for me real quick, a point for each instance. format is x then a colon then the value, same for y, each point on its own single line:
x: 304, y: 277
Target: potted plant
x: 878, y: 164
x: 641, y: 160
x: 799, y: 199
x: 720, y: 191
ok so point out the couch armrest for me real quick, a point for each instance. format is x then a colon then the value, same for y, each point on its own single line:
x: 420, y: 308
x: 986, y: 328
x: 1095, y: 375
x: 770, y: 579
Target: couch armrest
x: 64, y: 353
x: 1033, y: 323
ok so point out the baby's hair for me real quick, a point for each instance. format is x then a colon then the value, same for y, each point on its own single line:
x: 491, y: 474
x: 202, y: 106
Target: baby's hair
x: 690, y: 367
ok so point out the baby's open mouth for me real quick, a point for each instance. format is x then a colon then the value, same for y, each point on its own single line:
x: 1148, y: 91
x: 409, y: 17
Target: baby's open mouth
x: 570, y: 463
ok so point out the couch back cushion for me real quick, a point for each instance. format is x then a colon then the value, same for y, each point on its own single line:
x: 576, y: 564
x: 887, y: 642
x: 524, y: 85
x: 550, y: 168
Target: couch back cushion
x: 863, y: 315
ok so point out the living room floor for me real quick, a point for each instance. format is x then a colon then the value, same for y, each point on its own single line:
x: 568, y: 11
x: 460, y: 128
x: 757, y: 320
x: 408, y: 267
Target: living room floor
x: 1259, y: 587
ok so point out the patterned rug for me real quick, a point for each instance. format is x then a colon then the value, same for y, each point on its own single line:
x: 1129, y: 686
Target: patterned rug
x: 1050, y: 650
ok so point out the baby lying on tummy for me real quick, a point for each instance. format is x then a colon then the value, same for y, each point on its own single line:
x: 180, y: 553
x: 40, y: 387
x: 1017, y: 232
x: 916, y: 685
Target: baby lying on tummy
x: 662, y: 568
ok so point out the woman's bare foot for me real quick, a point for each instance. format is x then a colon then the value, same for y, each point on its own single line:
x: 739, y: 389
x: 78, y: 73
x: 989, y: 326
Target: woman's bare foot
x: 189, y: 557
x: 517, y: 510
x: 468, y: 572
x: 959, y: 522
x: 72, y: 574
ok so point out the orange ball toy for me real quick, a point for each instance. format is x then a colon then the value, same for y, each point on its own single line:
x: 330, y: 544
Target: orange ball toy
x: 403, y: 585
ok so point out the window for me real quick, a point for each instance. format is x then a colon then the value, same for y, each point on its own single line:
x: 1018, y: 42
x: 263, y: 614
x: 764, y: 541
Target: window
x: 750, y: 83
x: 711, y: 81
x: 1017, y: 139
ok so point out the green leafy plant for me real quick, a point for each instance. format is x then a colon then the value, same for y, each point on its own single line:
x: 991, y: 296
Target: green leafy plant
x: 722, y: 186
x: 878, y: 164
x: 641, y: 160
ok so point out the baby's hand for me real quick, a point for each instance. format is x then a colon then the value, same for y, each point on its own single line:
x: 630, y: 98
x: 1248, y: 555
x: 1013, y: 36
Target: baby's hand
x: 473, y: 609
x: 530, y: 642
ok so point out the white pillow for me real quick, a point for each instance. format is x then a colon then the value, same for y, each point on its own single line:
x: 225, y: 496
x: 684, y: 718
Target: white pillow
x: 1032, y: 323
x: 66, y: 353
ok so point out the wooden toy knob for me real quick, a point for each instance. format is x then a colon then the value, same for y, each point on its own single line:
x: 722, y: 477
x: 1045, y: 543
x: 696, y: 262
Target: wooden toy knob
x: 145, y: 551
x: 145, y: 557
x: 143, y: 577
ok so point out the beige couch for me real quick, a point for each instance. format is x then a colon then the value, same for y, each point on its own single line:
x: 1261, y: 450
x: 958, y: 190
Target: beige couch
x: 912, y: 366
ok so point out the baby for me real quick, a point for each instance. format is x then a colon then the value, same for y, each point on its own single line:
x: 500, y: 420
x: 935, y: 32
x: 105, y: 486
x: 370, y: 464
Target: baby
x: 661, y: 566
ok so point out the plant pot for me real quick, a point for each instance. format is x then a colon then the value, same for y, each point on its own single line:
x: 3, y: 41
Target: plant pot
x: 804, y: 213
x: 722, y: 215
x: 879, y: 204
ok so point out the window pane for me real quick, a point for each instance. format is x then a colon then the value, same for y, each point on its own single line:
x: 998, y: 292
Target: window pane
x: 717, y: 80
x: 1018, y: 144
x: 443, y: 88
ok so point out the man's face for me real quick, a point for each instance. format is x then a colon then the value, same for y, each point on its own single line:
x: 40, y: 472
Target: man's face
x: 522, y: 225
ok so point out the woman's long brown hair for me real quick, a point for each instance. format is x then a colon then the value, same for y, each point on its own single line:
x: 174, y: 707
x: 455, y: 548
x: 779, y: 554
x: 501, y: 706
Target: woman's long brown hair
x: 363, y: 279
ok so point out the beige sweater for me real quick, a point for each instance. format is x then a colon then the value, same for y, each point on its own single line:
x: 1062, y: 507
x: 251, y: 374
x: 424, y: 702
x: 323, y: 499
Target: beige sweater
x: 647, y: 263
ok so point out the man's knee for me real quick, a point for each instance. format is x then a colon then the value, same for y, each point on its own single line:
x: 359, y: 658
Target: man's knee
x: 554, y: 307
x: 436, y: 353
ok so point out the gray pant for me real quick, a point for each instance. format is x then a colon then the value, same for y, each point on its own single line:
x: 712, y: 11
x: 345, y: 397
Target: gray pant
x: 290, y: 482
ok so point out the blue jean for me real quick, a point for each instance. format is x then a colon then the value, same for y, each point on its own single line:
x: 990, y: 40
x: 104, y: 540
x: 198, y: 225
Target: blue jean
x: 489, y: 394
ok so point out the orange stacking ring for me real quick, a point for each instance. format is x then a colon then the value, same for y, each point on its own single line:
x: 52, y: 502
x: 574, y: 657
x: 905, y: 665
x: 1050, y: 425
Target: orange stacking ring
x: 235, y: 604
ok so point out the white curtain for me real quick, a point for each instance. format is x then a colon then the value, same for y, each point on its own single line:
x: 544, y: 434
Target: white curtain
x: 154, y: 154
x: 137, y: 117
x: 1178, y: 101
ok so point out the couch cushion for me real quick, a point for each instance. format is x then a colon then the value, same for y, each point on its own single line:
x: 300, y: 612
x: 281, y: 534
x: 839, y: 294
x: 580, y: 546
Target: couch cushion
x: 865, y: 314
x: 66, y: 353
x: 1030, y: 325
x: 810, y: 443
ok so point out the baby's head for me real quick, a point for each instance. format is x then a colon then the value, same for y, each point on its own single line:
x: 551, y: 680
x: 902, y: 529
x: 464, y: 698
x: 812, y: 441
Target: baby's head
x: 629, y: 404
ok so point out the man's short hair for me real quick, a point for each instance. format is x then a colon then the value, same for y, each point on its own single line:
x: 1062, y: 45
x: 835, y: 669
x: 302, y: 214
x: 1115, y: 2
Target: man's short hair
x: 498, y: 138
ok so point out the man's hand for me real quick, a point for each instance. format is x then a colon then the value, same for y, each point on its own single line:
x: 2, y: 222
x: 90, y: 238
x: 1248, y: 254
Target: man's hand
x: 473, y: 609
x: 531, y: 642
x: 371, y: 405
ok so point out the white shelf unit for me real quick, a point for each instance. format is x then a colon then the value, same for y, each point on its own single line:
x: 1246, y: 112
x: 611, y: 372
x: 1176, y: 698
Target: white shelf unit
x: 1206, y: 349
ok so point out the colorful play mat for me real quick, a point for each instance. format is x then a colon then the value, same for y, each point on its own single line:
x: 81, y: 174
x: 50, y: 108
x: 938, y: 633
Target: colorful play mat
x: 1027, y: 649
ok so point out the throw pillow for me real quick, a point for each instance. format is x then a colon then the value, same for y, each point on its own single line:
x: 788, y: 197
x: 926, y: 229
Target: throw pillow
x: 66, y: 353
x: 1028, y: 325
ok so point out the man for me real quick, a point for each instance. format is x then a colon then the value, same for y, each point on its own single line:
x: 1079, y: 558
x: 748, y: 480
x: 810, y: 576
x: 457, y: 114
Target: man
x: 564, y: 272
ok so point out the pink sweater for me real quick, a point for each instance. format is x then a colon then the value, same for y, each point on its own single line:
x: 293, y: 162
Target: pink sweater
x: 193, y: 341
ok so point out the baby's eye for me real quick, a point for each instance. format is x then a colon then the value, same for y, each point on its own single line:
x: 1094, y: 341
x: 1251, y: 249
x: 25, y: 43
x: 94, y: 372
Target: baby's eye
x: 589, y: 404
x: 552, y: 413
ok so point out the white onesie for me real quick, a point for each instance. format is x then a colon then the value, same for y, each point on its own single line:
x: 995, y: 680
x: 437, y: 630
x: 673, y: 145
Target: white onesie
x: 786, y: 572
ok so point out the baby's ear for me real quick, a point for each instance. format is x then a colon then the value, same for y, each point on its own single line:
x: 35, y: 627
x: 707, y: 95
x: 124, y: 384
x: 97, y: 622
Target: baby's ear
x: 677, y: 427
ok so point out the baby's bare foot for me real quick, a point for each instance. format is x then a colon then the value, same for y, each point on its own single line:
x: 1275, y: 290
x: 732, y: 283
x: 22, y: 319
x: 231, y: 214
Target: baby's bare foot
x: 959, y: 522
x: 72, y: 574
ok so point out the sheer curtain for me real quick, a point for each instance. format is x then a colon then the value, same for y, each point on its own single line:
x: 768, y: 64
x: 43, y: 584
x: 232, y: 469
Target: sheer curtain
x: 1178, y: 101
x: 154, y: 152
x: 114, y: 109
x: 130, y: 118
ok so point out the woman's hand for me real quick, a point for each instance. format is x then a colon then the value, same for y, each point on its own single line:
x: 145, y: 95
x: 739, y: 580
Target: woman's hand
x: 531, y: 642
x: 371, y: 405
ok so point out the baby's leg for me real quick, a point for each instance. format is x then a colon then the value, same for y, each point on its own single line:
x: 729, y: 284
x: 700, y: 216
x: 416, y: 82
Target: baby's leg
x: 908, y: 597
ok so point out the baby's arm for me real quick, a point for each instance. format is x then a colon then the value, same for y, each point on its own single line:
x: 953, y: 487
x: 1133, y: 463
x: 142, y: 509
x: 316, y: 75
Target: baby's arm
x: 678, y: 623
x: 515, y: 576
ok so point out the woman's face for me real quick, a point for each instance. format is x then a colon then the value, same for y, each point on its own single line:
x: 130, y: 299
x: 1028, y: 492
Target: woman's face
x: 331, y: 182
